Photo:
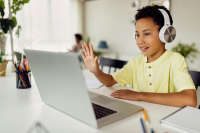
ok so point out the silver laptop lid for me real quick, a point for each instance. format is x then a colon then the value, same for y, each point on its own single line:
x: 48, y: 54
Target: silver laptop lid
x: 61, y: 83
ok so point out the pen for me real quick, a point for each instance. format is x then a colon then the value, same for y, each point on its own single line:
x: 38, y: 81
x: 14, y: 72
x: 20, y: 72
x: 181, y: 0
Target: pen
x: 143, y: 125
x: 147, y: 120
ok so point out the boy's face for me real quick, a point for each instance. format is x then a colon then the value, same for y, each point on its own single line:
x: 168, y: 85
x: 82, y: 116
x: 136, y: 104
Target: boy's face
x: 147, y: 37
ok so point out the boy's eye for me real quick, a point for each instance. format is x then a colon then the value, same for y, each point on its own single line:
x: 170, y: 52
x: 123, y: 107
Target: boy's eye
x: 148, y: 33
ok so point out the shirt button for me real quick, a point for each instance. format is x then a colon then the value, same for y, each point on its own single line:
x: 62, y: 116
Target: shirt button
x: 149, y: 67
x: 150, y: 84
x: 149, y: 75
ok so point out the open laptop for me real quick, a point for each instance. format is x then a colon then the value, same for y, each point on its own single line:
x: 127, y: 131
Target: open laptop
x: 61, y: 84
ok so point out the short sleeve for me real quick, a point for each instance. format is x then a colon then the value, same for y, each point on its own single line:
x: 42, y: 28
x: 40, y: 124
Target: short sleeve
x: 181, y: 76
x: 124, y: 76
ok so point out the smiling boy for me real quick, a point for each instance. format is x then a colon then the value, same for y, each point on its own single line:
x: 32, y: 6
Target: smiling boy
x: 157, y: 75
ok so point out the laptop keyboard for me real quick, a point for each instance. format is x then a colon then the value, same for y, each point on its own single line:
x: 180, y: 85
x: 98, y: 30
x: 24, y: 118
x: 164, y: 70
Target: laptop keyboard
x: 102, y: 111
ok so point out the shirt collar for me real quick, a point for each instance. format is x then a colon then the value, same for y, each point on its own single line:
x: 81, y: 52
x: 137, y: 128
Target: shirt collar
x: 162, y: 57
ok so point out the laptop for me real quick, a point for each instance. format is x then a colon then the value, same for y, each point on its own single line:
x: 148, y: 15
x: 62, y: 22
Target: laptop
x: 62, y: 86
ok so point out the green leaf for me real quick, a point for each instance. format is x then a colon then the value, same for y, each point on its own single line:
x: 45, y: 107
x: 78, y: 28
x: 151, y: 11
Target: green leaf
x: 2, y: 53
x: 13, y: 22
x: 2, y: 7
x: 17, y: 5
x: 187, y: 50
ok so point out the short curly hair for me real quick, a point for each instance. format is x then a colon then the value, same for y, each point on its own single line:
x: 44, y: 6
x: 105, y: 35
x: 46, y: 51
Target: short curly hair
x: 154, y: 13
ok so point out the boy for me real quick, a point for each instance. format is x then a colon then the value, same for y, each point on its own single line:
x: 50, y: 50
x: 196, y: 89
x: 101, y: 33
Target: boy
x: 157, y: 76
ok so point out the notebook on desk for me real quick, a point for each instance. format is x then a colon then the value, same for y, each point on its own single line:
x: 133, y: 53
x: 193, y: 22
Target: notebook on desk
x: 184, y: 120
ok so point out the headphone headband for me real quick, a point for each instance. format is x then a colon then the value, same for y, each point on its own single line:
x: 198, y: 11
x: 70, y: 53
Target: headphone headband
x: 166, y: 17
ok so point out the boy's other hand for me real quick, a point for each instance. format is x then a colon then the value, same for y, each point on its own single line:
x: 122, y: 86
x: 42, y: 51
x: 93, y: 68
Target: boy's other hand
x: 126, y: 94
x: 90, y: 60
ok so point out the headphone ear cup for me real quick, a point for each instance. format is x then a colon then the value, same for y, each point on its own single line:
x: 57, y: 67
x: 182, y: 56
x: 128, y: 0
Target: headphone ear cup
x: 161, y: 34
x: 167, y: 34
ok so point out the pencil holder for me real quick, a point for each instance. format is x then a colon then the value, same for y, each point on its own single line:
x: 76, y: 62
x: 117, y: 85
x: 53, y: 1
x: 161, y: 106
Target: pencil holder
x: 23, y: 79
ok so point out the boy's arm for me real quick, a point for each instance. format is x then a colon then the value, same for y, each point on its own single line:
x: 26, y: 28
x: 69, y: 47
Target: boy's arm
x: 91, y: 63
x: 106, y: 79
x: 184, y: 98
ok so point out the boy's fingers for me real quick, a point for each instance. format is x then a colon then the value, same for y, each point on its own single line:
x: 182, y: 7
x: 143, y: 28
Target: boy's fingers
x: 114, y: 95
x: 91, y: 49
x: 85, y: 49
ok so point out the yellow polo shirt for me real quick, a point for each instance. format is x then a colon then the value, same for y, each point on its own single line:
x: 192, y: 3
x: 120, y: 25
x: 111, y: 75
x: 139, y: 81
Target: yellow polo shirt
x: 166, y: 74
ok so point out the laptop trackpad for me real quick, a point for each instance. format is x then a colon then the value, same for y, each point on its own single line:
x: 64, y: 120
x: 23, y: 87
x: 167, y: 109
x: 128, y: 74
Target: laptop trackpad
x: 99, y: 99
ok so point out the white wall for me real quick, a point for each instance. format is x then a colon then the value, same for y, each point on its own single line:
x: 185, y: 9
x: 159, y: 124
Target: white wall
x: 111, y: 20
x: 186, y: 20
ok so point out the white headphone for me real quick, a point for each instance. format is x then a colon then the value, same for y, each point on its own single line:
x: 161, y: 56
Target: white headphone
x: 167, y: 33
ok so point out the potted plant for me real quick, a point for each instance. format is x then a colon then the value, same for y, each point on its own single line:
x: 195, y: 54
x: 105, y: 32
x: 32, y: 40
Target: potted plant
x: 7, y: 24
x: 189, y: 51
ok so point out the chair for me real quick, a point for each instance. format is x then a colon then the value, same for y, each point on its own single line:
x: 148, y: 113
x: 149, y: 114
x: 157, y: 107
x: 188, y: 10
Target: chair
x: 111, y: 63
x: 195, y: 77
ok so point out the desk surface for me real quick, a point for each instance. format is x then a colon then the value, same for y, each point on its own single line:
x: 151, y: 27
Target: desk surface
x: 20, y: 109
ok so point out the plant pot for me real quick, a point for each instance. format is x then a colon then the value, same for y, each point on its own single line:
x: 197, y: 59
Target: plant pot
x: 3, y: 67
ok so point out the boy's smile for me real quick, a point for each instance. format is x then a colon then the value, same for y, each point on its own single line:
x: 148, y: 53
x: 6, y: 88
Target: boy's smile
x: 143, y: 48
x: 147, y: 39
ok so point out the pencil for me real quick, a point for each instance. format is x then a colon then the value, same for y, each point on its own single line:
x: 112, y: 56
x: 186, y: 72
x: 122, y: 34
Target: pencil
x: 146, y: 117
x: 147, y: 120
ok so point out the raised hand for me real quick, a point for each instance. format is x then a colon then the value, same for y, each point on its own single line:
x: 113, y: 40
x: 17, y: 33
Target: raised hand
x: 90, y: 60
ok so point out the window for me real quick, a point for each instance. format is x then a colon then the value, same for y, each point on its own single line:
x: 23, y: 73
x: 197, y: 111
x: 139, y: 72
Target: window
x: 49, y: 24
